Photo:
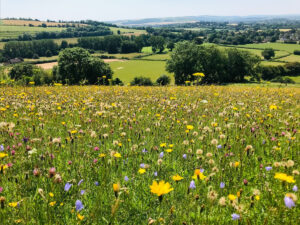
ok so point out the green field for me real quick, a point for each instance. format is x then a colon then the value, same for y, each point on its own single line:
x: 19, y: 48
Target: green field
x: 12, y: 32
x: 127, y: 70
x: 276, y: 46
x: 125, y: 31
x: 158, y: 57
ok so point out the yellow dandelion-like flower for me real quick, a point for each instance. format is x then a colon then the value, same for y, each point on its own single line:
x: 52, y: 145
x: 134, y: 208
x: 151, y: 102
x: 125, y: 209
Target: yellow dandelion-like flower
x: 177, y: 177
x: 161, y: 188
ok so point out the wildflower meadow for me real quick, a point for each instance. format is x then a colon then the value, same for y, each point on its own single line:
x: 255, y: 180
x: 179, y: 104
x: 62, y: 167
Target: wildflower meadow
x: 149, y: 155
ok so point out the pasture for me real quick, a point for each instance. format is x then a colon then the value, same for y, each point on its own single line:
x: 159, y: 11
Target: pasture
x: 157, y: 155
x: 127, y: 70
x: 13, y: 32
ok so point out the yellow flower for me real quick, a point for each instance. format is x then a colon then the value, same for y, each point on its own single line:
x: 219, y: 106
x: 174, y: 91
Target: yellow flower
x: 273, y: 107
x: 198, y: 74
x: 177, y: 178
x: 13, y: 204
x: 51, y: 194
x: 102, y: 155
x: 171, y: 145
x: 117, y: 155
x: 160, y: 188
x: 198, y: 175
x: 116, y: 187
x: 284, y: 177
x: 163, y: 145
x: 52, y: 203
x: 169, y: 150
x: 31, y: 82
x: 232, y: 197
x: 80, y: 217
x: 189, y: 127
x: 257, y: 197
x: 57, y: 84
x: 73, y: 131
x: 236, y: 164
x: 2, y: 155
x: 142, y: 171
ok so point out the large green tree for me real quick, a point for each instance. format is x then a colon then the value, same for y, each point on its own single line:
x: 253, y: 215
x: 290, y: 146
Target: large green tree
x: 77, y: 65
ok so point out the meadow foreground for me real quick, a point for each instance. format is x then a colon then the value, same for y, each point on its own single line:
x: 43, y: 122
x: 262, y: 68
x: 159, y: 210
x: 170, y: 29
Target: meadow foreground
x: 149, y: 155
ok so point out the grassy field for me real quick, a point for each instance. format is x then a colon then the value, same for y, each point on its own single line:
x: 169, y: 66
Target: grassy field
x: 277, y: 46
x: 149, y: 155
x: 34, y: 23
x: 127, y: 70
x: 125, y: 31
x: 12, y: 32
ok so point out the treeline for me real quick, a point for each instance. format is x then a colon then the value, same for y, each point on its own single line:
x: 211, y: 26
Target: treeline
x: 86, y: 31
x: 114, y: 43
x: 30, y: 49
x: 272, y: 72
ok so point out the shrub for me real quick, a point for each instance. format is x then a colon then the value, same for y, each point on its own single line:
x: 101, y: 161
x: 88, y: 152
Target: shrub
x: 297, y: 52
x: 163, y: 80
x: 268, y: 53
x: 284, y: 80
x: 141, y: 81
x: 117, y: 81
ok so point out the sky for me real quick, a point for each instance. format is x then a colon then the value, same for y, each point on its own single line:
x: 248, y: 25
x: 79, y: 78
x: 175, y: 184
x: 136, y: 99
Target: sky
x: 109, y: 10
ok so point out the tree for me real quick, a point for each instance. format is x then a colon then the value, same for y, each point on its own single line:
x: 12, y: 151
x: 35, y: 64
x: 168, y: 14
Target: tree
x: 76, y: 65
x: 64, y: 44
x: 268, y: 53
x: 171, y: 45
x: 113, y: 43
x: 157, y: 43
x: 184, y: 62
x: 129, y: 46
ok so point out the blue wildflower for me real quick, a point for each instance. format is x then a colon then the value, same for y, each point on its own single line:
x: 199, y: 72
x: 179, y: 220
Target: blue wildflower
x: 68, y: 186
x: 192, y: 185
x: 79, y: 206
x: 235, y: 216
x: 222, y: 185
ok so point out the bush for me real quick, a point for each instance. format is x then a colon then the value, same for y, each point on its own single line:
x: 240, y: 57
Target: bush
x: 35, y: 56
x: 141, y: 81
x: 284, y: 80
x: 268, y: 53
x: 25, y: 73
x: 297, y: 52
x: 163, y: 80
x: 117, y: 81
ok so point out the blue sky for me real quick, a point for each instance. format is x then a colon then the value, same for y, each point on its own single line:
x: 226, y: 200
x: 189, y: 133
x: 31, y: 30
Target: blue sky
x: 136, y: 9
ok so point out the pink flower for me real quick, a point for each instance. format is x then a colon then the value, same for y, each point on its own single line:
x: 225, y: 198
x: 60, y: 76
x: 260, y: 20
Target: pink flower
x: 96, y: 148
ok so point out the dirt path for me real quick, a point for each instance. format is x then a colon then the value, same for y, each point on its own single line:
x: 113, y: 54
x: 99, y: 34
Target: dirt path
x: 48, y: 66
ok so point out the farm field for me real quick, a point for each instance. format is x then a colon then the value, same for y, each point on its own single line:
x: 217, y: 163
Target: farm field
x: 125, y: 31
x: 127, y: 70
x: 34, y: 23
x: 140, y: 155
x: 12, y: 32
x: 277, y: 46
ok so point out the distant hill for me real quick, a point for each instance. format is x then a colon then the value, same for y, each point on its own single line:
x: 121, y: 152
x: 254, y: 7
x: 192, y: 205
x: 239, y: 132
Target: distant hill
x: 192, y: 19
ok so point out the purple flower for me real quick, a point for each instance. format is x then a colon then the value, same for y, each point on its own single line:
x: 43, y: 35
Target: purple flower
x: 161, y: 155
x: 82, y: 192
x: 1, y: 148
x: 80, y: 182
x: 142, y: 165
x: 96, y: 183
x: 1, y: 189
x: 222, y: 185
x: 289, y: 202
x: 268, y: 168
x: 25, y: 139
x: 79, y: 206
x: 295, y: 188
x: 219, y: 146
x: 201, y: 170
x: 144, y: 150
x: 155, y: 173
x: 263, y: 142
x: 235, y: 216
x: 126, y: 178
x: 184, y: 156
x: 68, y: 186
x: 192, y: 185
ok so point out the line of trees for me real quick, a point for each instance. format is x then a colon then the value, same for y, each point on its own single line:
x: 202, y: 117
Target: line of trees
x: 219, y: 66
x: 30, y: 49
